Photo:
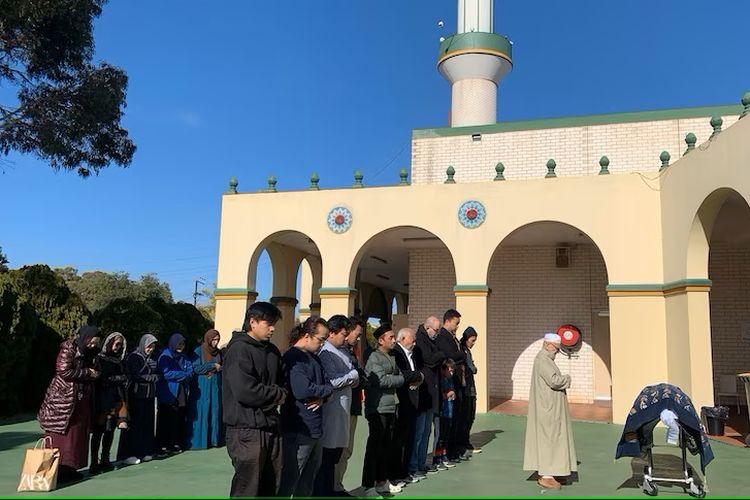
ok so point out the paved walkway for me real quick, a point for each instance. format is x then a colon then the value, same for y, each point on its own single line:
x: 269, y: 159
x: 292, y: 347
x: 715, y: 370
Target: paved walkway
x: 496, y: 471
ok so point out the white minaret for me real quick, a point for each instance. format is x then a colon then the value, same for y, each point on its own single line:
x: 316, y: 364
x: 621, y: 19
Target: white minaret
x: 473, y: 61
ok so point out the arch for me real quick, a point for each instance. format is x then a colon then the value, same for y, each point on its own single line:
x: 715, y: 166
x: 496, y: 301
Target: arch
x: 580, y: 236
x: 385, y: 261
x: 702, y: 227
x: 282, y: 273
x: 367, y: 244
x: 536, y: 288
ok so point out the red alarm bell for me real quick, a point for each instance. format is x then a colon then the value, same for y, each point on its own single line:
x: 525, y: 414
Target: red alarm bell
x: 570, y: 335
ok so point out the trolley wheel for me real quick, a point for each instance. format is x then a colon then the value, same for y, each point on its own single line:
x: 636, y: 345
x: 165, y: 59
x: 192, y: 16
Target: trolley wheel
x: 650, y: 488
x: 696, y: 491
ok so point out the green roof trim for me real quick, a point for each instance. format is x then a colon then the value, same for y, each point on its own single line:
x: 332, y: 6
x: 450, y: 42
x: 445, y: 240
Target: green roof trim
x: 617, y: 287
x: 581, y: 121
x: 471, y: 288
x: 475, y: 41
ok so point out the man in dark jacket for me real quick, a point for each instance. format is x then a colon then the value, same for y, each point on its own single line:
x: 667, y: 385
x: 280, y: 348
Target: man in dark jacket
x: 448, y: 343
x: 409, y: 361
x: 252, y: 390
x: 429, y: 395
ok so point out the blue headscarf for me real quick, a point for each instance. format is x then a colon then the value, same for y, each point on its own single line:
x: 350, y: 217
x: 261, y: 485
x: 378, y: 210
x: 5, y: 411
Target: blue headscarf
x: 174, y: 341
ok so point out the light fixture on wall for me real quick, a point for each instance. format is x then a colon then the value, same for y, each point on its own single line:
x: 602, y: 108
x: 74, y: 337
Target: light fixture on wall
x: 562, y: 257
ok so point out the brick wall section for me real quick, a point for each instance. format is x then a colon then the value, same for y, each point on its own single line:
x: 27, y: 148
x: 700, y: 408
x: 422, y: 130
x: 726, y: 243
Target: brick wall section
x: 729, y: 269
x: 630, y: 147
x: 431, y: 281
x: 531, y: 296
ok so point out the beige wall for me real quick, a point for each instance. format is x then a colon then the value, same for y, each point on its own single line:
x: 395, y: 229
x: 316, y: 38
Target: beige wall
x: 630, y: 147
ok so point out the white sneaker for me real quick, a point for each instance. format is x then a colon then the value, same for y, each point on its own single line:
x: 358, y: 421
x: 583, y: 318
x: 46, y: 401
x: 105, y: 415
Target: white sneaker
x: 388, y: 488
x: 399, y: 483
x: 147, y: 458
x: 132, y: 461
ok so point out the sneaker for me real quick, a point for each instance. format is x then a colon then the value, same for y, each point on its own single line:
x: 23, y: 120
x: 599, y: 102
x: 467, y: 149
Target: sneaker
x: 399, y: 482
x: 147, y: 458
x: 440, y: 467
x: 420, y: 474
x: 413, y: 478
x: 132, y: 461
x: 387, y: 488
x: 447, y: 463
x: 431, y: 469
x: 371, y: 493
x: 466, y: 456
x: 476, y: 450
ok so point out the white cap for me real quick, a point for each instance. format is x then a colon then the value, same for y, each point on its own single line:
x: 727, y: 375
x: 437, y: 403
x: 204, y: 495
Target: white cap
x: 552, y: 337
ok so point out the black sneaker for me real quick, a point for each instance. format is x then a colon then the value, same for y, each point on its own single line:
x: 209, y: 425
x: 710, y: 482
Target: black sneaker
x: 431, y: 469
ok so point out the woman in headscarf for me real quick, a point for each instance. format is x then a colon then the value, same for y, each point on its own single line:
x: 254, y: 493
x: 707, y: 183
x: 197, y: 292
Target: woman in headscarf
x: 469, y: 409
x: 173, y: 393
x: 110, y: 400
x: 65, y: 414
x: 205, y: 424
x: 138, y: 442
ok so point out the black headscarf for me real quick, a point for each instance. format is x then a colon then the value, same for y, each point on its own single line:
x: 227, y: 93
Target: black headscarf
x: 468, y: 333
x: 85, y: 333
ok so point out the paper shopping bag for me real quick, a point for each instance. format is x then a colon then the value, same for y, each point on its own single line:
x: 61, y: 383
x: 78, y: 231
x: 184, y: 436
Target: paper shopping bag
x: 39, y: 472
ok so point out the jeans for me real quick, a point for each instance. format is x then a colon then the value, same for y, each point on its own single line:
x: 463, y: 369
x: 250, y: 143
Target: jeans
x: 423, y: 425
x: 301, y: 458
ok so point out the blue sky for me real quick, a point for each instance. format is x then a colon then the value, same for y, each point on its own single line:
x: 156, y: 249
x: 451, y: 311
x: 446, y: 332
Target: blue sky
x: 251, y: 88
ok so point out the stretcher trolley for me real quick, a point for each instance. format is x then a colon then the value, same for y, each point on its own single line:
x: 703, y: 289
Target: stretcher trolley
x: 667, y: 403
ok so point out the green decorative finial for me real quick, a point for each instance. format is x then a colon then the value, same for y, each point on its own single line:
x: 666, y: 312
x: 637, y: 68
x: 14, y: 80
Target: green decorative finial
x: 450, y: 172
x: 603, y: 165
x: 403, y: 175
x: 233, y: 183
x: 499, y: 169
x: 745, y: 102
x: 314, y: 180
x: 690, y: 140
x: 271, y: 184
x: 716, y: 122
x: 551, y: 165
x: 358, y: 176
x: 664, y: 157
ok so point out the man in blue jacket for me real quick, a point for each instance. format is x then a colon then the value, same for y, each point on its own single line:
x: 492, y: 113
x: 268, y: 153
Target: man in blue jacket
x: 252, y: 390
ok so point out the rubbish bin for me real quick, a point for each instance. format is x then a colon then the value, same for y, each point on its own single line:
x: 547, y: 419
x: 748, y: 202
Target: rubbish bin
x: 715, y: 418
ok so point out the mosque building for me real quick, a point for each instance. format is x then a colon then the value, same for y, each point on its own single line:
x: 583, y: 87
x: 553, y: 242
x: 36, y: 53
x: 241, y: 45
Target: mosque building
x: 632, y: 227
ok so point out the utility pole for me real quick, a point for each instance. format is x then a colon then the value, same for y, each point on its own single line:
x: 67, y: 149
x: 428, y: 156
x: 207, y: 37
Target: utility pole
x: 195, y: 294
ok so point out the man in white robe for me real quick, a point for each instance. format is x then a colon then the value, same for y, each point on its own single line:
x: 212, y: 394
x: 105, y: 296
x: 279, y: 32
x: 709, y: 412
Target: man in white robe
x: 549, y: 446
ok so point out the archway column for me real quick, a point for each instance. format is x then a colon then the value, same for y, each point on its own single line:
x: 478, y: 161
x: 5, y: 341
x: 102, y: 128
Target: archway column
x: 337, y: 300
x: 471, y: 302
x: 286, y: 305
x: 689, y: 339
x: 231, y: 306
x: 638, y: 339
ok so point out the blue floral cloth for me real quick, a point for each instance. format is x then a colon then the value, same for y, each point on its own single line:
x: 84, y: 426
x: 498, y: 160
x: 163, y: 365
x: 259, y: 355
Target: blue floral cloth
x: 645, y: 414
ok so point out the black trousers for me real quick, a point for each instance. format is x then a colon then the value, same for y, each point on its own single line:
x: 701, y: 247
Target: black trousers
x: 171, y: 426
x: 256, y: 458
x: 469, y: 413
x: 325, y: 477
x: 454, y: 438
x: 378, y: 449
x: 138, y: 440
x: 403, y: 443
